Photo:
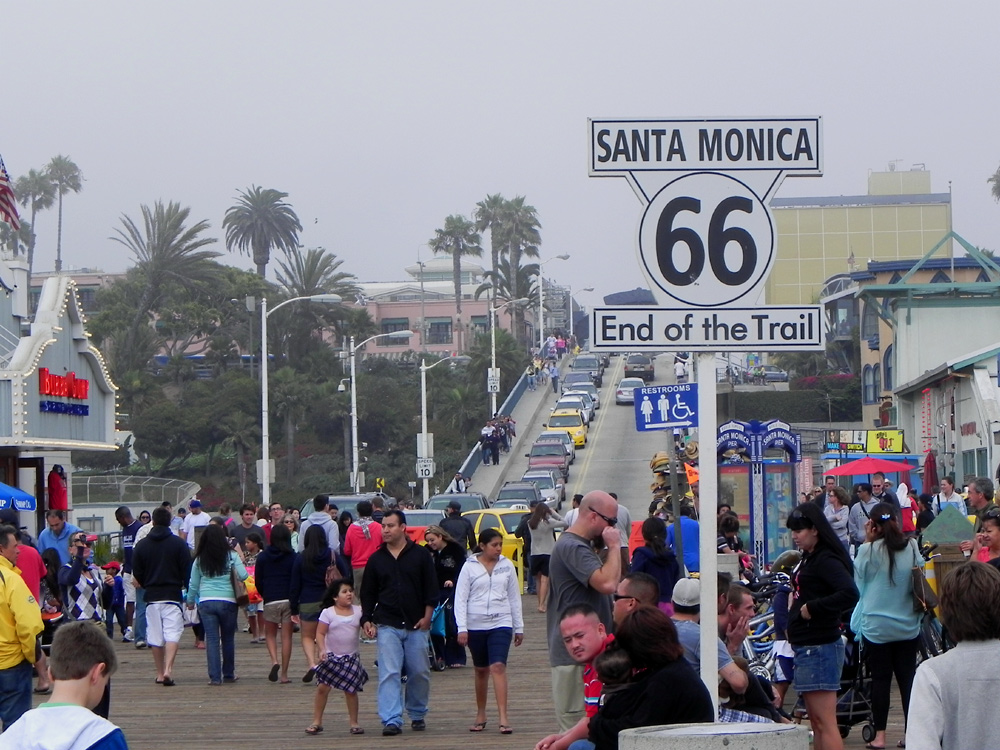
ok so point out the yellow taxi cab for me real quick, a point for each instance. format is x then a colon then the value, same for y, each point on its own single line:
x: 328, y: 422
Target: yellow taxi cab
x: 571, y: 422
x: 506, y: 521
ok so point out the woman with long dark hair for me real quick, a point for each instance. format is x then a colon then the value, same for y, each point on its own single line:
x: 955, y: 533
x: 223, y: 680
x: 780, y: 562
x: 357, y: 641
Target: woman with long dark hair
x: 822, y: 591
x: 658, y: 669
x: 211, y: 588
x: 884, y: 619
x: 449, y: 557
x: 658, y: 560
x: 542, y: 525
x: 273, y: 576
x: 308, y: 589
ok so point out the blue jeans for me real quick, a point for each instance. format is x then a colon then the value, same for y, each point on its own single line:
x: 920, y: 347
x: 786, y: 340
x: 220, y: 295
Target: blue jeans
x: 582, y: 745
x: 140, y: 615
x: 15, y: 692
x: 219, y: 620
x: 395, y: 648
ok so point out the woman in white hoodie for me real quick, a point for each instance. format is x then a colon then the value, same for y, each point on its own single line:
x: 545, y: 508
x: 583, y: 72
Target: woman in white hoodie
x: 488, y: 613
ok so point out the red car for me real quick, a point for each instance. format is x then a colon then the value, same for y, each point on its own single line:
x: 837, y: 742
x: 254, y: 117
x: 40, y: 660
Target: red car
x: 549, y: 454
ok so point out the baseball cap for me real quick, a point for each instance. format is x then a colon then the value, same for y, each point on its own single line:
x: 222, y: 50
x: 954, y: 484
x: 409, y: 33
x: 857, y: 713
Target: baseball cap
x: 113, y: 565
x: 9, y: 517
x: 454, y: 505
x: 687, y: 593
x: 195, y: 503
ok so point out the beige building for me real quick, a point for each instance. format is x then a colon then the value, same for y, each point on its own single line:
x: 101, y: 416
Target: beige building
x: 900, y: 218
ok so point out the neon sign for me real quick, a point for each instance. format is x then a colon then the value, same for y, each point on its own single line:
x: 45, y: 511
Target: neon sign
x: 66, y: 386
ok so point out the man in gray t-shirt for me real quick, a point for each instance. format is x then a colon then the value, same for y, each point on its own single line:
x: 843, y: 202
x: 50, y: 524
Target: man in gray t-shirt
x: 577, y: 576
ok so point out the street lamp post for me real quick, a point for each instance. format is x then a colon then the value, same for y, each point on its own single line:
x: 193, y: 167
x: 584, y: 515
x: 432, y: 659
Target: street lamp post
x: 541, y: 302
x: 493, y: 345
x: 423, y: 417
x: 265, y: 446
x: 356, y: 459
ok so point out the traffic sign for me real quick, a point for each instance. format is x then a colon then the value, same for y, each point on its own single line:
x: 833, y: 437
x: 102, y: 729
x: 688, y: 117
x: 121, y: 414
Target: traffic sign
x: 756, y: 329
x: 662, y: 407
x: 493, y: 380
x: 425, y: 468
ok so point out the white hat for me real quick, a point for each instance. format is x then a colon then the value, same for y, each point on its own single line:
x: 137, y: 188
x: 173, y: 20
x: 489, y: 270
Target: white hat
x: 687, y: 592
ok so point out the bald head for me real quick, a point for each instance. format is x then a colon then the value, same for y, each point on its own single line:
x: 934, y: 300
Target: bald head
x: 598, y: 510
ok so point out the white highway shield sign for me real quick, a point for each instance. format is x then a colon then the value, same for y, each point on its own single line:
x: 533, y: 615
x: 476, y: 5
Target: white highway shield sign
x: 755, y: 329
x: 662, y: 407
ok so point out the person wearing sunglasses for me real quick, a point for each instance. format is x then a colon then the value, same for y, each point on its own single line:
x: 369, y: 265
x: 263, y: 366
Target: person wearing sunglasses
x: 822, y: 589
x: 577, y: 576
x: 885, y: 619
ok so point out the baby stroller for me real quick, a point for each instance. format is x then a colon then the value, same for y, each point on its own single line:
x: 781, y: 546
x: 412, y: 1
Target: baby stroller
x: 438, y: 628
x: 854, y: 696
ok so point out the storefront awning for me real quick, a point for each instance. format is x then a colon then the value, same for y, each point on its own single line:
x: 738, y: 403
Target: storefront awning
x: 13, y: 497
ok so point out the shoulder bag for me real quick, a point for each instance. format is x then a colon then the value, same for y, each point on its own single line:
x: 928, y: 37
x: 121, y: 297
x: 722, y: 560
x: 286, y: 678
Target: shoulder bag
x: 239, y: 587
x: 924, y: 598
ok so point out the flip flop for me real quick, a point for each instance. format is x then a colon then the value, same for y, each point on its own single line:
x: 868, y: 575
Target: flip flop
x: 357, y: 730
x: 43, y: 691
x: 504, y: 729
x: 272, y: 676
x: 308, y: 676
x: 479, y: 726
x: 314, y: 729
x: 168, y: 682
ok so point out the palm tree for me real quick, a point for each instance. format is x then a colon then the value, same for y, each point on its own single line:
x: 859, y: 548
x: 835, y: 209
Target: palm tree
x: 458, y: 239
x: 995, y: 185
x: 17, y: 241
x: 315, y: 272
x: 36, y: 190
x: 243, y: 433
x: 259, y: 222
x: 501, y: 280
x: 291, y: 397
x: 65, y: 176
x: 166, y: 252
x: 489, y: 214
x: 521, y: 227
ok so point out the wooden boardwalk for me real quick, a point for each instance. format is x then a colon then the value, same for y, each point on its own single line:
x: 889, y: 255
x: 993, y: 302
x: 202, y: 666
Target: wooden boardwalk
x: 256, y: 713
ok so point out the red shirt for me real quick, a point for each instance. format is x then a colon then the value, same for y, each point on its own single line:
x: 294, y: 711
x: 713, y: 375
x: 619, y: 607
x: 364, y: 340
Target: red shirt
x: 58, y: 499
x: 266, y: 528
x: 32, y: 568
x: 357, y: 547
x: 592, y: 685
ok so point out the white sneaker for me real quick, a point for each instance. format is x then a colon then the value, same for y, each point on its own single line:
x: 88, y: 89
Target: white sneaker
x: 128, y: 636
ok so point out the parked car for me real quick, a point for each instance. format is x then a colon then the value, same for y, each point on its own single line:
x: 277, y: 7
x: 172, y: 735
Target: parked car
x: 591, y: 389
x: 512, y: 504
x: 572, y: 380
x: 639, y: 366
x: 469, y: 500
x: 774, y: 374
x: 525, y: 492
x: 587, y: 402
x: 572, y: 402
x: 589, y: 363
x: 561, y: 437
x: 624, y: 392
x: 548, y: 454
x: 550, y: 483
x: 345, y: 502
x: 418, y: 520
x: 569, y: 421
x: 505, y: 521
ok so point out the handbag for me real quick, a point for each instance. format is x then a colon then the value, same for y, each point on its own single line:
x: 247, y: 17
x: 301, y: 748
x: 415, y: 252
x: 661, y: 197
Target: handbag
x: 924, y: 598
x: 239, y: 588
x: 332, y: 571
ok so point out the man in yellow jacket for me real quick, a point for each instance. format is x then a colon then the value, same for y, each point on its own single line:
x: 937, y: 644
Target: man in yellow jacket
x: 20, y: 624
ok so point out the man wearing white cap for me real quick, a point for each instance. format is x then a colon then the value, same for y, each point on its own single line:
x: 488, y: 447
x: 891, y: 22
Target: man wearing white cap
x: 687, y: 617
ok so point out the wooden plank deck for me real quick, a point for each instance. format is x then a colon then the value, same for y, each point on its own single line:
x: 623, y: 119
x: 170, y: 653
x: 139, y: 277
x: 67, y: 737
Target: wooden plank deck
x: 255, y: 712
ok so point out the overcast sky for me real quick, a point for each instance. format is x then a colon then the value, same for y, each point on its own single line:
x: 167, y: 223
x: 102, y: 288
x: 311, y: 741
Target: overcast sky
x: 380, y: 119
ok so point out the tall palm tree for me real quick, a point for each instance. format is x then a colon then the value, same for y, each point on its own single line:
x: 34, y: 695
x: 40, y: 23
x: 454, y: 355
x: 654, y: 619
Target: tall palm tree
x: 166, y: 252
x: 521, y: 227
x: 315, y: 272
x: 18, y: 241
x: 242, y: 435
x: 995, y: 185
x: 259, y: 222
x: 526, y: 282
x: 36, y: 190
x: 65, y: 176
x: 490, y: 214
x: 458, y: 239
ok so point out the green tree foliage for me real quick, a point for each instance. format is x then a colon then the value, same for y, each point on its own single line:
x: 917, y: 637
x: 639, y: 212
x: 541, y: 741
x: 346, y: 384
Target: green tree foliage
x: 260, y: 222
x: 458, y: 239
x: 994, y: 183
x: 36, y: 191
x: 66, y: 177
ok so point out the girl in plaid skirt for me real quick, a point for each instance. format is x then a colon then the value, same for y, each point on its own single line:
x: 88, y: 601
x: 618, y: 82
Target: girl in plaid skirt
x: 338, y: 630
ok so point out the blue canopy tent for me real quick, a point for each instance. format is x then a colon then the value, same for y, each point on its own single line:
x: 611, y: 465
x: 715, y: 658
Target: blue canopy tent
x: 13, y: 497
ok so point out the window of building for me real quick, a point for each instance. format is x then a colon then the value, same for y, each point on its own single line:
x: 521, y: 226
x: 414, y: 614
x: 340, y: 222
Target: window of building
x: 391, y: 325
x: 867, y: 385
x: 480, y: 324
x: 869, y: 321
x: 941, y: 278
x: 92, y: 525
x: 887, y: 367
x: 439, y: 331
x: 876, y: 384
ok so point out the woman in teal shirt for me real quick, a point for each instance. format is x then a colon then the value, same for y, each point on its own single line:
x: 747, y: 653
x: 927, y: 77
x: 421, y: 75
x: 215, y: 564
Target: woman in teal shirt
x: 212, y: 589
x: 884, y: 618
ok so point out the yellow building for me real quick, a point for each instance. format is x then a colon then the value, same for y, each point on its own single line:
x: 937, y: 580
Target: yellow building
x: 819, y: 238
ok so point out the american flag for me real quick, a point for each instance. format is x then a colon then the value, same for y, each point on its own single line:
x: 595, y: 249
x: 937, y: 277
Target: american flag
x: 8, y: 203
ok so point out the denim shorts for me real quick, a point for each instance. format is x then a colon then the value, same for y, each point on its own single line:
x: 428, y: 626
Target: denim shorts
x: 819, y: 667
x: 490, y: 646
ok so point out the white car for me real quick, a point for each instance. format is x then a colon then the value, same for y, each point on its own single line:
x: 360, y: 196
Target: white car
x: 591, y: 389
x: 561, y: 437
x: 624, y: 392
x: 573, y: 402
x: 587, y: 401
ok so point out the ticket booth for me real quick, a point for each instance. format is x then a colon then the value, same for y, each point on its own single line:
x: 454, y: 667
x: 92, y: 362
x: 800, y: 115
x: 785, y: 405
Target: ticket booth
x: 757, y: 478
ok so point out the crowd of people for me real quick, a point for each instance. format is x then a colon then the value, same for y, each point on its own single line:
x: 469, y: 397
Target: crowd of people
x: 623, y: 632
